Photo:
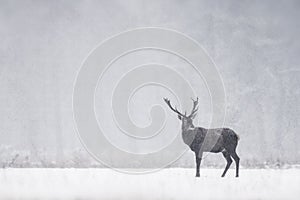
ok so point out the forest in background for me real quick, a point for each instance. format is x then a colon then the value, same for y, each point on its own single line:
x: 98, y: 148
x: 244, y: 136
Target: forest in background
x: 255, y: 46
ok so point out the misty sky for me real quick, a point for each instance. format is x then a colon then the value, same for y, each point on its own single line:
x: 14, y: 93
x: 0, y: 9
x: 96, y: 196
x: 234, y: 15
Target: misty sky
x: 254, y: 44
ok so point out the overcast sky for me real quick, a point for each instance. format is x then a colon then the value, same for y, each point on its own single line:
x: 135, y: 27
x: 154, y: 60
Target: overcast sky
x: 254, y: 44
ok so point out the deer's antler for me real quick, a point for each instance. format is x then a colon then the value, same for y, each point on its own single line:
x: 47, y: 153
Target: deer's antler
x: 195, y: 108
x: 174, y: 109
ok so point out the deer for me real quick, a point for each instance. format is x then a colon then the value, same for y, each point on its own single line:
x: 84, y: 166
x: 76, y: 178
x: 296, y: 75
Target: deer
x: 199, y: 140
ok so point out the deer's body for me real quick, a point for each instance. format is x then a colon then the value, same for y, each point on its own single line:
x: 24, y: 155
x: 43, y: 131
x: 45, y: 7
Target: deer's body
x: 201, y: 140
x: 209, y: 140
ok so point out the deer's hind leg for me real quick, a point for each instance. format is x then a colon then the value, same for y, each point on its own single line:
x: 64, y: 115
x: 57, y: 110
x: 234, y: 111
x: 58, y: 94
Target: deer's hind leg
x: 229, y: 161
x: 230, y: 147
x: 236, y: 158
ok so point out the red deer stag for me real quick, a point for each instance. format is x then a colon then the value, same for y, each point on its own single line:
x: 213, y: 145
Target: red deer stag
x: 201, y: 140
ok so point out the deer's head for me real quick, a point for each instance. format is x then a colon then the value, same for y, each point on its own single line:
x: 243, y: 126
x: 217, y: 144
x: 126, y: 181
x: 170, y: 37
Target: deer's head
x: 187, y: 120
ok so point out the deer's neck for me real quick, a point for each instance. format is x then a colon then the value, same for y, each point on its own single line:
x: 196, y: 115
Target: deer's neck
x: 188, y: 134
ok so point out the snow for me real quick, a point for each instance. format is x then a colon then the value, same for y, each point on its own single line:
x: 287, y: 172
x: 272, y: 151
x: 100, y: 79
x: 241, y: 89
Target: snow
x: 174, y: 183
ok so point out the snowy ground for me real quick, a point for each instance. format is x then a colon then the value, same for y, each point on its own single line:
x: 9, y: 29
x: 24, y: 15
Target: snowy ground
x: 164, y: 184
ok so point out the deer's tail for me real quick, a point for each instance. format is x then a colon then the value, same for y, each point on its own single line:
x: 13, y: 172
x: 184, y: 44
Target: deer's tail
x: 238, y: 137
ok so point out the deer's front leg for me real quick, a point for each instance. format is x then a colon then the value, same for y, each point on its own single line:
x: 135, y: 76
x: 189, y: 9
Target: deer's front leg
x: 198, y: 162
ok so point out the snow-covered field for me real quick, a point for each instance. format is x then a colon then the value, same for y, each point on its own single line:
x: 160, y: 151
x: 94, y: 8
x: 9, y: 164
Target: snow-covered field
x: 164, y: 184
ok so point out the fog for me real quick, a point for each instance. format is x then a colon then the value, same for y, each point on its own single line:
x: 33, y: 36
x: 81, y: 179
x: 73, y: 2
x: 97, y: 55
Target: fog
x: 254, y: 44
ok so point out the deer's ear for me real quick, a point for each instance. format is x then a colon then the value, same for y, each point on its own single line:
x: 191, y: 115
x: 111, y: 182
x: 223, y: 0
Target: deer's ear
x: 179, y: 117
